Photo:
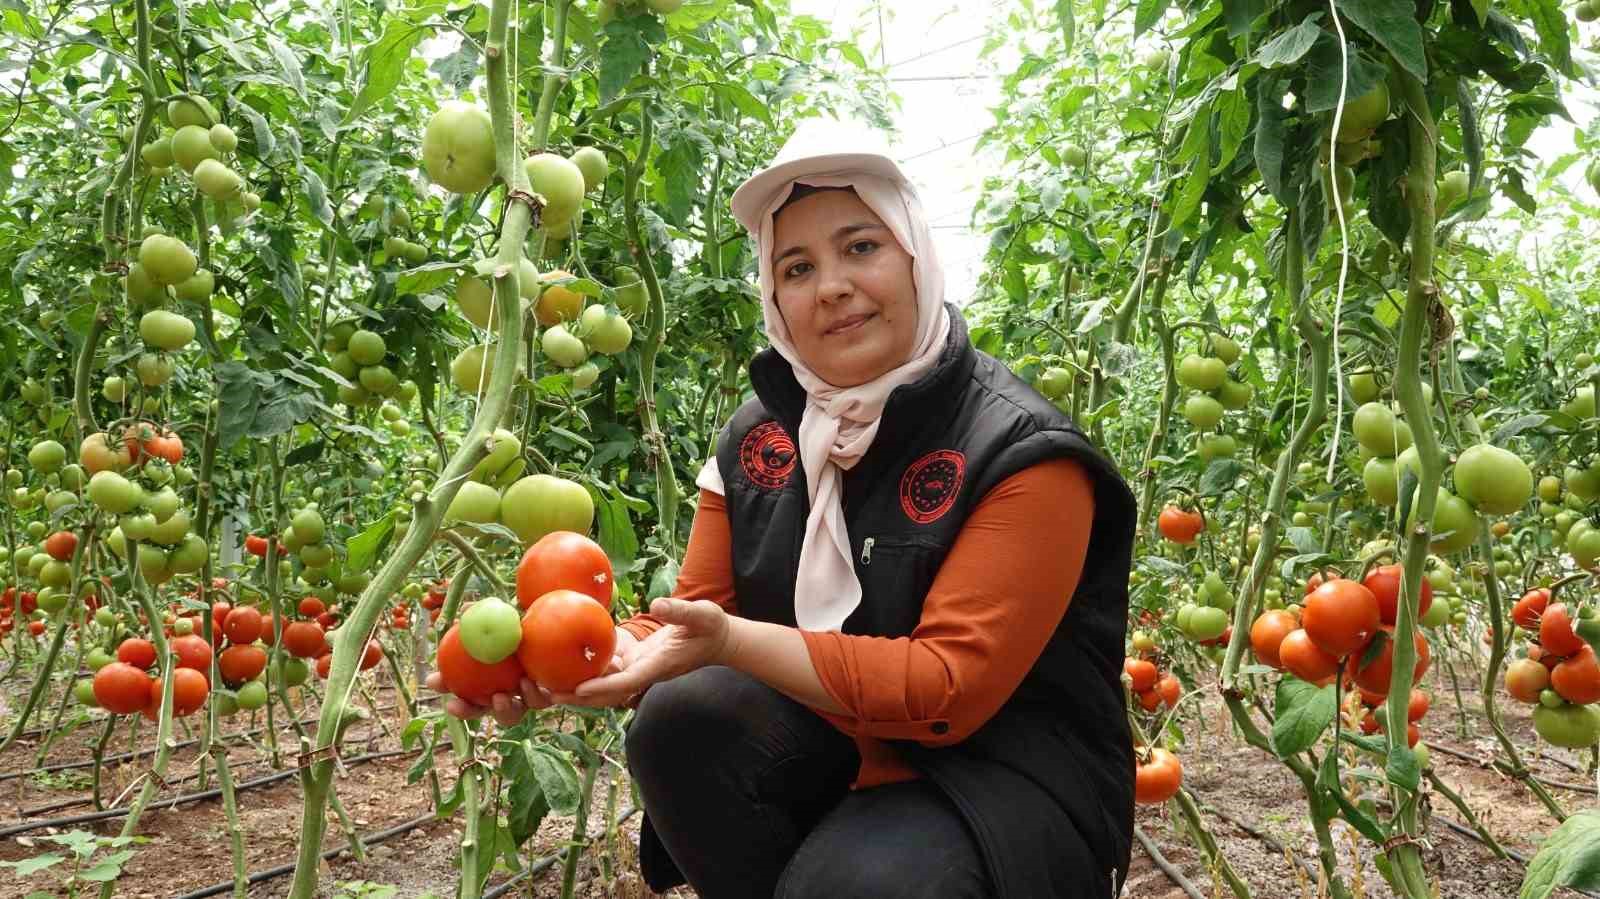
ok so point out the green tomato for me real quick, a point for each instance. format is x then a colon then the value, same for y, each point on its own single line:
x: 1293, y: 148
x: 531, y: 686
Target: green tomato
x: 1493, y: 480
x: 1568, y: 726
x: 458, y: 148
x: 1207, y: 623
x: 1201, y: 372
x: 474, y: 502
x: 541, y: 504
x: 1378, y: 431
x: 559, y: 181
x: 561, y: 347
x: 1203, y: 412
x: 491, y: 630
x: 1363, y: 387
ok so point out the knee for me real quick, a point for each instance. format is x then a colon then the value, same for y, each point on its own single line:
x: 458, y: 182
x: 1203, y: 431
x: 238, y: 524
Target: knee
x: 677, y: 718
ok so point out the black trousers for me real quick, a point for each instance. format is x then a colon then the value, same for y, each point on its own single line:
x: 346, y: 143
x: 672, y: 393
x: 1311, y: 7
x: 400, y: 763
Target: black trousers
x: 748, y: 794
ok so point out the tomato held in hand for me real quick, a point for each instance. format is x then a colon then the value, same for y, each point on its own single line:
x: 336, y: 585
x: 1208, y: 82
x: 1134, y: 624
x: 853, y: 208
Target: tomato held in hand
x: 567, y: 638
x: 471, y: 679
x: 564, y: 560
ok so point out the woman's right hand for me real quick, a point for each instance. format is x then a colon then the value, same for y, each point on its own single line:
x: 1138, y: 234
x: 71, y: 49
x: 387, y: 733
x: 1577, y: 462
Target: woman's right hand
x: 509, y: 708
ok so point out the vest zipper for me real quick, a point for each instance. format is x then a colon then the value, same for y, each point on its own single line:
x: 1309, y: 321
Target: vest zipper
x: 866, y: 551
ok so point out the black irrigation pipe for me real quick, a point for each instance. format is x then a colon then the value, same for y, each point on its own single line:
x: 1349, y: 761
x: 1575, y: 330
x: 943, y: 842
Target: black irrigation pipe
x: 217, y: 889
x: 139, y: 753
x: 1515, y: 856
x: 539, y: 865
x: 266, y: 780
x: 1167, y: 868
x: 1497, y: 765
x: 83, y: 800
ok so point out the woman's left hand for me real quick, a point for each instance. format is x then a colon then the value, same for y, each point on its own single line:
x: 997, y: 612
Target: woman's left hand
x: 696, y: 633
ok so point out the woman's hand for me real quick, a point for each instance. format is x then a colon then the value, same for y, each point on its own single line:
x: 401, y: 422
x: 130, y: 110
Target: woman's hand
x: 697, y: 633
x: 509, y: 708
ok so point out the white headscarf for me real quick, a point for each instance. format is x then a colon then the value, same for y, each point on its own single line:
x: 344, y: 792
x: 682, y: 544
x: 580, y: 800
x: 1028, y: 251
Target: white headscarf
x: 840, y: 423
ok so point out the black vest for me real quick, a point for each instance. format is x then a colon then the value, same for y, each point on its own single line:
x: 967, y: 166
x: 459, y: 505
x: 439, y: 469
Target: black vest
x: 1051, y: 774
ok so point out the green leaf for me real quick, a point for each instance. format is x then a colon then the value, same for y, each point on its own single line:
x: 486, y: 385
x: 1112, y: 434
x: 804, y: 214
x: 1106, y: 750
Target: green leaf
x: 108, y: 868
x: 288, y: 63
x: 1270, y: 134
x: 36, y: 864
x: 627, y: 47
x: 385, y: 60
x: 363, y: 548
x: 1393, y: 24
x: 1303, y: 712
x: 617, y: 536
x: 426, y: 278
x: 527, y: 805
x: 556, y: 775
x: 1569, y: 857
x: 1220, y: 476
x: 239, y: 396
x: 1516, y: 426
x: 1147, y: 14
x: 1402, y: 769
x: 1304, y: 540
x: 1324, y: 65
x: 1289, y: 46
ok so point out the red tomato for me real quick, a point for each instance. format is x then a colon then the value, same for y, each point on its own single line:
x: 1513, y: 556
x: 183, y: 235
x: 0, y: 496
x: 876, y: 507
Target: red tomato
x: 304, y: 639
x: 564, y: 560
x: 255, y: 545
x: 324, y: 665
x: 1180, y: 525
x: 193, y: 652
x: 61, y: 545
x: 471, y: 679
x: 1157, y: 779
x: 243, y: 625
x: 1384, y: 582
x: 567, y: 638
x: 238, y: 664
x: 1142, y: 673
x: 189, y: 690
x: 138, y: 652
x: 1556, y: 634
x: 121, y: 689
x: 372, y: 655
x: 1530, y: 608
x: 328, y: 620
x: 311, y: 607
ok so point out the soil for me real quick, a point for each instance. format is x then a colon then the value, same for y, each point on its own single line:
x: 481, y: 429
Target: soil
x: 188, y: 846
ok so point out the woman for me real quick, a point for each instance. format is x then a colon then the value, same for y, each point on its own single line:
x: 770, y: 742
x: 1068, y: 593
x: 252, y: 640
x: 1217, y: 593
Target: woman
x: 893, y: 665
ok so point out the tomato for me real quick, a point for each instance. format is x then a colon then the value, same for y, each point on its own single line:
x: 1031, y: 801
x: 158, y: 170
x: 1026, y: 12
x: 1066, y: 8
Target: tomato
x: 121, y: 689
x: 564, y: 560
x: 567, y: 638
x: 491, y: 629
x: 1525, y: 679
x: 324, y: 665
x: 1419, y: 705
x: 328, y: 620
x: 1141, y: 672
x: 243, y: 625
x: 1530, y: 608
x: 114, y: 493
x: 458, y: 148
x: 562, y: 347
x: 1267, y: 634
x: 1149, y: 700
x: 605, y: 331
x: 96, y: 454
x: 1494, y: 481
x: 304, y: 639
x: 1302, y: 658
x: 541, y: 504
x: 189, y: 691
x: 1362, y: 115
x: 255, y: 545
x: 165, y: 330
x: 1556, y: 635
x: 557, y: 302
x: 1374, y: 675
x: 559, y: 182
x: 1577, y: 678
x: 311, y: 607
x: 238, y: 664
x: 1180, y: 525
x: 631, y: 295
x: 1568, y: 726
x: 1369, y: 724
x: 1454, y: 526
x: 474, y: 502
x: 1384, y: 583
x: 1378, y: 431
x: 36, y: 628
x: 1157, y: 778
x: 193, y: 651
x: 137, y: 651
x: 1340, y: 617
x: 1201, y: 372
x: 216, y: 180
x: 471, y: 679
x: 1170, y: 690
x: 61, y: 545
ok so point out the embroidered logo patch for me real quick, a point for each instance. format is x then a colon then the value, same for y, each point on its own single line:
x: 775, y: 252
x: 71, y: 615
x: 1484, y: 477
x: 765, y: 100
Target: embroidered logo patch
x: 768, y: 455
x: 928, y: 488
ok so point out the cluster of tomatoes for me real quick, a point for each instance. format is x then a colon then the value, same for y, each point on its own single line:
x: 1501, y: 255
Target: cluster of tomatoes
x: 1151, y: 686
x: 307, y: 638
x: 1560, y: 675
x: 126, y: 686
x: 25, y: 602
x: 1342, y: 624
x: 1214, y: 392
x: 563, y: 637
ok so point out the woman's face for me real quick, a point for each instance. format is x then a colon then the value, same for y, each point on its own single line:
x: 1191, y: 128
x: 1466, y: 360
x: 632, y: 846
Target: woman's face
x: 844, y: 288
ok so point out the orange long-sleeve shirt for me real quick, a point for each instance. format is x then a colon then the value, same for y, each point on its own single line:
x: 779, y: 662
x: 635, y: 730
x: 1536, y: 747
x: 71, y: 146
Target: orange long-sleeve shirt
x: 994, y: 604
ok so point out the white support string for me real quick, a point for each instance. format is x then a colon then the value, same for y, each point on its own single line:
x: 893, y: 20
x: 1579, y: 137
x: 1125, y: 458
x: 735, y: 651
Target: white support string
x: 1344, y: 235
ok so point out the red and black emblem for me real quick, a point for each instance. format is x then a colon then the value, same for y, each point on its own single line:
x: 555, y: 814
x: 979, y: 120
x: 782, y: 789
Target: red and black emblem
x: 768, y: 455
x: 928, y: 488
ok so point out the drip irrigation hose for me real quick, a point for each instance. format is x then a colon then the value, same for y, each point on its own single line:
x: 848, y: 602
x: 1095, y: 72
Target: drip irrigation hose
x: 1497, y: 763
x: 125, y: 756
x: 269, y: 779
x: 1167, y: 868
